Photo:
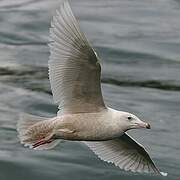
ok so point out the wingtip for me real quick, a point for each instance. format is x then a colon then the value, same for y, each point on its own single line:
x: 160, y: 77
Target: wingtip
x: 161, y: 173
x: 164, y: 174
x: 63, y: 4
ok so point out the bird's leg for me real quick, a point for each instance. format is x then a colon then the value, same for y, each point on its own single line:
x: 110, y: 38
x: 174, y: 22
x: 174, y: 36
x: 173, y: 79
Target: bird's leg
x: 41, y: 142
x: 45, y: 140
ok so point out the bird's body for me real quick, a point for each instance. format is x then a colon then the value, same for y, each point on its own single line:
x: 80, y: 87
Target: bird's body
x: 75, y: 77
x: 87, y: 126
x: 103, y: 125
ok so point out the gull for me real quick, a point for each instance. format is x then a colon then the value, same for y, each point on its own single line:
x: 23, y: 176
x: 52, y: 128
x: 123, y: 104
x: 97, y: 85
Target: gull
x: 75, y: 78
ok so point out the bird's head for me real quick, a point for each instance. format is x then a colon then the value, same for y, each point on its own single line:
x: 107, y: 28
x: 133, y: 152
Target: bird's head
x: 131, y: 121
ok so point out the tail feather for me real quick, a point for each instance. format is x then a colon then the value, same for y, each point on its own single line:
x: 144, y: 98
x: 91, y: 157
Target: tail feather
x: 26, y: 121
x: 32, y: 129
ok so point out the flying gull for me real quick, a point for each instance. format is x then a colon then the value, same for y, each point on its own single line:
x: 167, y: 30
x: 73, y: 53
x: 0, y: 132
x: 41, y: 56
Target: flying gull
x: 75, y: 77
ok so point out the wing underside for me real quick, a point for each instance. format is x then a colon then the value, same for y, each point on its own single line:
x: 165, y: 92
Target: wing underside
x: 74, y: 68
x: 125, y: 153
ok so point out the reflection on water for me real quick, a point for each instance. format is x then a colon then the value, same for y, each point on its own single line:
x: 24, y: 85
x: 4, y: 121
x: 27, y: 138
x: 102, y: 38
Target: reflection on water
x: 138, y: 42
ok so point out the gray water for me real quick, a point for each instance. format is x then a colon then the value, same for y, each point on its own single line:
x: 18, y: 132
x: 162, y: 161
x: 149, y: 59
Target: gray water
x: 139, y: 44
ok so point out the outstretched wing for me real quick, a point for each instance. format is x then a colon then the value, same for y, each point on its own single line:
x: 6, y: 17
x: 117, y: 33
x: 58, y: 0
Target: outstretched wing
x: 74, y: 68
x: 125, y: 153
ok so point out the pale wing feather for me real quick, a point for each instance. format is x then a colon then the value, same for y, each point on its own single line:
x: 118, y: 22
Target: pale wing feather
x: 74, y: 69
x: 125, y: 153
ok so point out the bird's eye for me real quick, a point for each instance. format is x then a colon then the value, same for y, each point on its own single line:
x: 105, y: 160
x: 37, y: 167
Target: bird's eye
x: 130, y: 118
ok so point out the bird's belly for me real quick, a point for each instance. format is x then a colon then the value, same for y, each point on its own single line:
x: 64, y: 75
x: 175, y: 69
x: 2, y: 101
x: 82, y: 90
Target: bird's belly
x: 92, y: 133
x: 90, y: 127
x: 87, y: 136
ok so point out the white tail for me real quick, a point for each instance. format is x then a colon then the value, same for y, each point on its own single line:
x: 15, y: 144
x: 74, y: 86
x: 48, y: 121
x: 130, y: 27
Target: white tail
x: 34, y: 129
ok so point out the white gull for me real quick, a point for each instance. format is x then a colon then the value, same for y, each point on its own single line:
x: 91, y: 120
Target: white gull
x: 74, y: 73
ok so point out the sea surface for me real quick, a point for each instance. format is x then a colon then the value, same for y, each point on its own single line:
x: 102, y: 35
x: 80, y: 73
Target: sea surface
x: 139, y: 44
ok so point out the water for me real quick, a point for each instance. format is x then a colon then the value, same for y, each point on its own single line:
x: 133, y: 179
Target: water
x: 139, y: 44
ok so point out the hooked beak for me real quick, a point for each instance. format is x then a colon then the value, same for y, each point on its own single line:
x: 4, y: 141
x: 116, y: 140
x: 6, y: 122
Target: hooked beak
x: 144, y: 125
x: 141, y: 124
x: 148, y: 126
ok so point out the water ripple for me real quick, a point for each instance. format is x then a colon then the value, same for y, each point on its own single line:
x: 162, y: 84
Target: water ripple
x: 36, y: 78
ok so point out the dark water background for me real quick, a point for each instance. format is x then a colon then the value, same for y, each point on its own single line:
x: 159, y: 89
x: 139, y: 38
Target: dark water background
x: 139, y: 42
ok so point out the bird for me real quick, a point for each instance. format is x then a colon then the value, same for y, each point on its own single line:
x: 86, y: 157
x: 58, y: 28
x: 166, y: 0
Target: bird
x: 75, y: 78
